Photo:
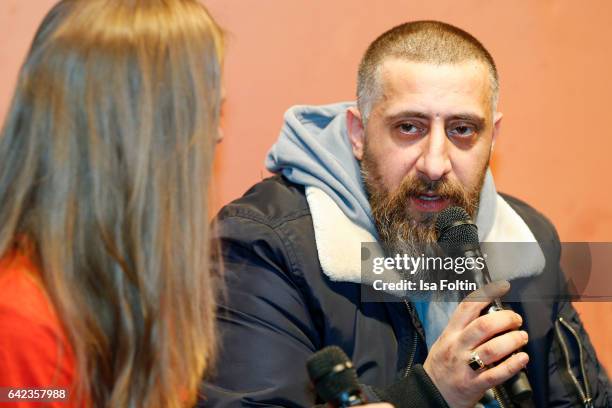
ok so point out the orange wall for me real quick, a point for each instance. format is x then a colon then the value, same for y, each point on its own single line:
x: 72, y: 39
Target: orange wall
x: 554, y: 61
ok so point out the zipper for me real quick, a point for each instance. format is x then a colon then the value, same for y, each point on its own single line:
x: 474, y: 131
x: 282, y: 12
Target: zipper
x: 413, y: 344
x: 498, y: 397
x: 413, y: 349
x: 500, y: 393
x: 585, y: 393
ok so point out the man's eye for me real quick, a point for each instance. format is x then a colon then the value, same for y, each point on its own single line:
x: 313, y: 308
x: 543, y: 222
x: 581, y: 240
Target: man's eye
x: 462, y: 131
x: 409, y: 128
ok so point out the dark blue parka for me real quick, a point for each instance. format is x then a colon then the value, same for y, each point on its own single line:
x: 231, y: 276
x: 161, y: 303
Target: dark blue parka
x: 280, y: 308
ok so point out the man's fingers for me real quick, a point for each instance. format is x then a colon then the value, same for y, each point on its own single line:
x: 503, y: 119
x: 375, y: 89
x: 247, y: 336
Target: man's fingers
x: 485, y: 327
x: 470, y: 308
x: 500, y: 346
x: 496, y: 375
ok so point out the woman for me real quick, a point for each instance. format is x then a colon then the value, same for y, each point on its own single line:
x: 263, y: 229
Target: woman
x: 105, y: 158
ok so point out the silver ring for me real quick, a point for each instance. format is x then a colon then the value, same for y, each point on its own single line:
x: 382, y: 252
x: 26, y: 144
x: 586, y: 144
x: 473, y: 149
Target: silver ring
x: 475, y: 362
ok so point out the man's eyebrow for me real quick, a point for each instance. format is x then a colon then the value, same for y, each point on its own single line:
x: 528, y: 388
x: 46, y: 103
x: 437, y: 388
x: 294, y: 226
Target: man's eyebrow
x: 405, y: 114
x: 477, y: 119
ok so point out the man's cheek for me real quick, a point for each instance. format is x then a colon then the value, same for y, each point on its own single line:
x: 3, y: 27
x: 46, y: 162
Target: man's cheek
x: 398, y: 171
x: 467, y: 168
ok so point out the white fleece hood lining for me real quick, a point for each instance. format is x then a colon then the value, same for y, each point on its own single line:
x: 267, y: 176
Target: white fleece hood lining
x: 338, y: 239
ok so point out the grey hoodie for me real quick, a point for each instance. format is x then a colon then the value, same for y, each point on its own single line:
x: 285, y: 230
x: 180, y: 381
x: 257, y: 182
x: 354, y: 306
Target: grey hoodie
x: 313, y: 149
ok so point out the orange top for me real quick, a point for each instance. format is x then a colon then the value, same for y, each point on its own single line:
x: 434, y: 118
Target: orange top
x: 34, y: 350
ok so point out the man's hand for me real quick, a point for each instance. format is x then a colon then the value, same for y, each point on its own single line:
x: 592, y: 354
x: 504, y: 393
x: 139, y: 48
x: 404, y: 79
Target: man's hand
x: 467, y: 331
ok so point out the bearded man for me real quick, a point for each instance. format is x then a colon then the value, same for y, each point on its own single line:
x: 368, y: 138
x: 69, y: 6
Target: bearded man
x: 418, y: 141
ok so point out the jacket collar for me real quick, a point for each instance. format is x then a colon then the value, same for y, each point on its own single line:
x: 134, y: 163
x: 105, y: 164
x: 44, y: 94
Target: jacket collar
x: 339, y: 240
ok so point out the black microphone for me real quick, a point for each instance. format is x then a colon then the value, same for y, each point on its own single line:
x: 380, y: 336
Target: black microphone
x: 458, y: 236
x: 335, y: 378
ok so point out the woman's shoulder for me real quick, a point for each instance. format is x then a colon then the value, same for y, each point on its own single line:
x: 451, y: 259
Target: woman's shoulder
x: 22, y: 290
x: 34, y: 350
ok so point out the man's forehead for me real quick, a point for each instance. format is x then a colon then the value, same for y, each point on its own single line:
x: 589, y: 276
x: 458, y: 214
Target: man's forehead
x: 429, y: 87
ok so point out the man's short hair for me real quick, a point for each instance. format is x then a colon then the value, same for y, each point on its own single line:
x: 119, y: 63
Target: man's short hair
x: 419, y: 41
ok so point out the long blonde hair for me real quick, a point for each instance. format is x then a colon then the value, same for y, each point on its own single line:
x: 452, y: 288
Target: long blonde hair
x: 105, y: 160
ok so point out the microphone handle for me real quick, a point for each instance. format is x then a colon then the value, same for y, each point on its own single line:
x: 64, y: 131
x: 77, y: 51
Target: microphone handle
x: 482, y: 276
x: 518, y: 387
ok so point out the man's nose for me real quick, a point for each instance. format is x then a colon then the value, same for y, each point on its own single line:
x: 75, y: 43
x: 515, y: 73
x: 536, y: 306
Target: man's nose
x: 434, y: 161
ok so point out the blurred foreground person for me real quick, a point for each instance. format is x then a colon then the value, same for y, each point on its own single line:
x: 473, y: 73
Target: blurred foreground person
x: 105, y: 157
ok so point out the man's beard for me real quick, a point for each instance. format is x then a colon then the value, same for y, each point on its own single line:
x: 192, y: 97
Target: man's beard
x: 399, y: 231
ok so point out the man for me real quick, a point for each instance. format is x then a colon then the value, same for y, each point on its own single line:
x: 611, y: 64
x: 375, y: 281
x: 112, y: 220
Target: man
x: 418, y: 141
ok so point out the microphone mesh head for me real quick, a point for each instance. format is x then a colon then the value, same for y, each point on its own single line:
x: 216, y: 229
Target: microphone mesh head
x: 450, y: 233
x: 323, y: 361
x: 331, y: 383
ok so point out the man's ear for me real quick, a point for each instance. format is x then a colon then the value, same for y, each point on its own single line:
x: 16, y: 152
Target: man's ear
x: 497, y: 118
x: 356, y: 132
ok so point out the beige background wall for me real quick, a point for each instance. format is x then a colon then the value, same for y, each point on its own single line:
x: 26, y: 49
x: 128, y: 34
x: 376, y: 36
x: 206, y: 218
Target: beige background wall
x: 554, y: 59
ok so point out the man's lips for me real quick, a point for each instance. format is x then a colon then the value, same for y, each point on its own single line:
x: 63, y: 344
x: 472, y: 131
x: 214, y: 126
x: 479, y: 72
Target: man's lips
x: 429, y: 202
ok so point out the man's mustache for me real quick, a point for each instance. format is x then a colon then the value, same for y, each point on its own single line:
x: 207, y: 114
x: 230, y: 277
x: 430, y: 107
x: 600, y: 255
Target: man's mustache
x: 414, y: 186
